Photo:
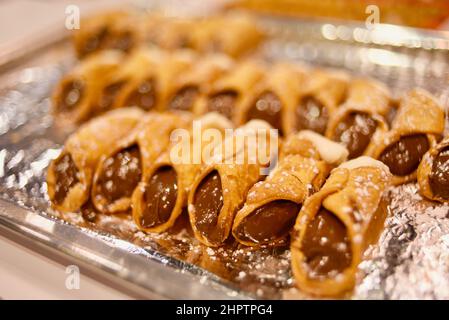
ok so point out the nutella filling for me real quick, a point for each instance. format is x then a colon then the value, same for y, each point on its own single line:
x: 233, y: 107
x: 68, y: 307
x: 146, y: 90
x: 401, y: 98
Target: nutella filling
x: 88, y: 212
x: 267, y: 107
x: 326, y: 245
x: 269, y: 222
x: 184, y: 98
x: 311, y: 114
x: 72, y: 94
x: 223, y: 103
x: 123, y: 41
x: 208, y: 201
x: 144, y: 96
x: 96, y: 41
x: 66, y: 175
x: 120, y: 175
x: 439, y: 176
x: 160, y: 197
x: 355, y: 132
x: 403, y: 157
x: 109, y: 94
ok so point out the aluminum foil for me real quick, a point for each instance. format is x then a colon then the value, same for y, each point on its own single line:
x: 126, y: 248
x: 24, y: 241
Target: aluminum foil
x: 410, y: 261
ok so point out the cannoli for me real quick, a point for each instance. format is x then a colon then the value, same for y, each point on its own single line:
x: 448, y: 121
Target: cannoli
x: 70, y: 175
x: 188, y: 90
x: 433, y: 173
x: 272, y: 205
x: 272, y: 97
x: 220, y: 189
x: 361, y: 117
x: 171, y: 33
x: 149, y: 90
x: 418, y: 125
x: 233, y: 35
x: 121, y: 169
x: 118, y: 30
x: 162, y: 195
x: 323, y: 92
x: 78, y: 93
x: 336, y: 224
x: 230, y: 92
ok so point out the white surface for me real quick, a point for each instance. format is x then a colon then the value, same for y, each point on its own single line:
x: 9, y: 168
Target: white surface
x: 27, y: 275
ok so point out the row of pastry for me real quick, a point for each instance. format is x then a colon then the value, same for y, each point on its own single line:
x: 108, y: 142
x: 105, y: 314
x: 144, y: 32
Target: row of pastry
x: 231, y: 34
x: 332, y: 209
x: 358, y: 113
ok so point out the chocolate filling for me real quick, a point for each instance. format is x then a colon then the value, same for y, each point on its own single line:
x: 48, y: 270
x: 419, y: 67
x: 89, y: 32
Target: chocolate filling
x: 439, y: 176
x: 223, y: 103
x: 123, y: 41
x: 355, y: 132
x: 184, y: 98
x: 72, y: 94
x: 96, y: 41
x: 208, y: 201
x: 160, y: 197
x: 326, y: 245
x: 66, y: 175
x: 269, y: 222
x: 144, y: 96
x: 109, y: 94
x: 311, y: 114
x: 267, y: 107
x: 403, y: 157
x: 88, y: 212
x: 120, y: 175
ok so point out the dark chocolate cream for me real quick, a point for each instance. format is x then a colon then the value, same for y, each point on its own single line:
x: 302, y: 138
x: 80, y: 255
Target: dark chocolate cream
x: 120, y: 174
x: 355, y: 132
x: 326, y: 246
x: 160, y: 197
x: 123, y: 41
x: 144, y: 96
x: 439, y: 176
x: 208, y: 201
x: 403, y: 157
x: 108, y: 95
x: 89, y: 212
x: 311, y: 114
x: 184, y: 98
x: 72, y: 94
x: 66, y: 175
x: 96, y: 41
x: 269, y: 222
x: 267, y: 107
x: 223, y: 103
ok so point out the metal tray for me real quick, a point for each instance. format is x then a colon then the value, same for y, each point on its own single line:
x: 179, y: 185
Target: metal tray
x: 169, y: 266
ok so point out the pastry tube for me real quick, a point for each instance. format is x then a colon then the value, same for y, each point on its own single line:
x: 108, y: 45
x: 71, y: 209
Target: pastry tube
x: 171, y: 33
x: 188, y: 90
x: 361, y: 118
x: 433, y: 173
x: 162, y: 194
x: 418, y: 125
x: 269, y: 100
x: 220, y: 189
x: 121, y: 169
x: 233, y: 35
x: 272, y: 205
x: 229, y: 93
x: 76, y: 96
x: 323, y: 91
x: 149, y: 90
x: 118, y: 30
x: 336, y: 225
x: 122, y: 79
x: 70, y: 175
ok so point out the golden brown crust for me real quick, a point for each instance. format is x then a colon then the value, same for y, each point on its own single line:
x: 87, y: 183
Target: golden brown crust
x: 86, y: 146
x: 186, y: 170
x: 355, y: 195
x: 425, y: 168
x: 93, y: 74
x: 418, y: 113
x: 152, y: 136
x: 237, y: 177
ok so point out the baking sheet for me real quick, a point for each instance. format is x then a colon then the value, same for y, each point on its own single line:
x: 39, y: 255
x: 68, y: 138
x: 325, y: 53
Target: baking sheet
x: 410, y: 261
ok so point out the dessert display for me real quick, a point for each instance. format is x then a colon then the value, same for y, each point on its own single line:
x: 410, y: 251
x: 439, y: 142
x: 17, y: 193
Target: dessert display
x: 188, y: 141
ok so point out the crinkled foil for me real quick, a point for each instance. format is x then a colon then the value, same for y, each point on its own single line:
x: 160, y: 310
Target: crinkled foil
x: 411, y: 259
